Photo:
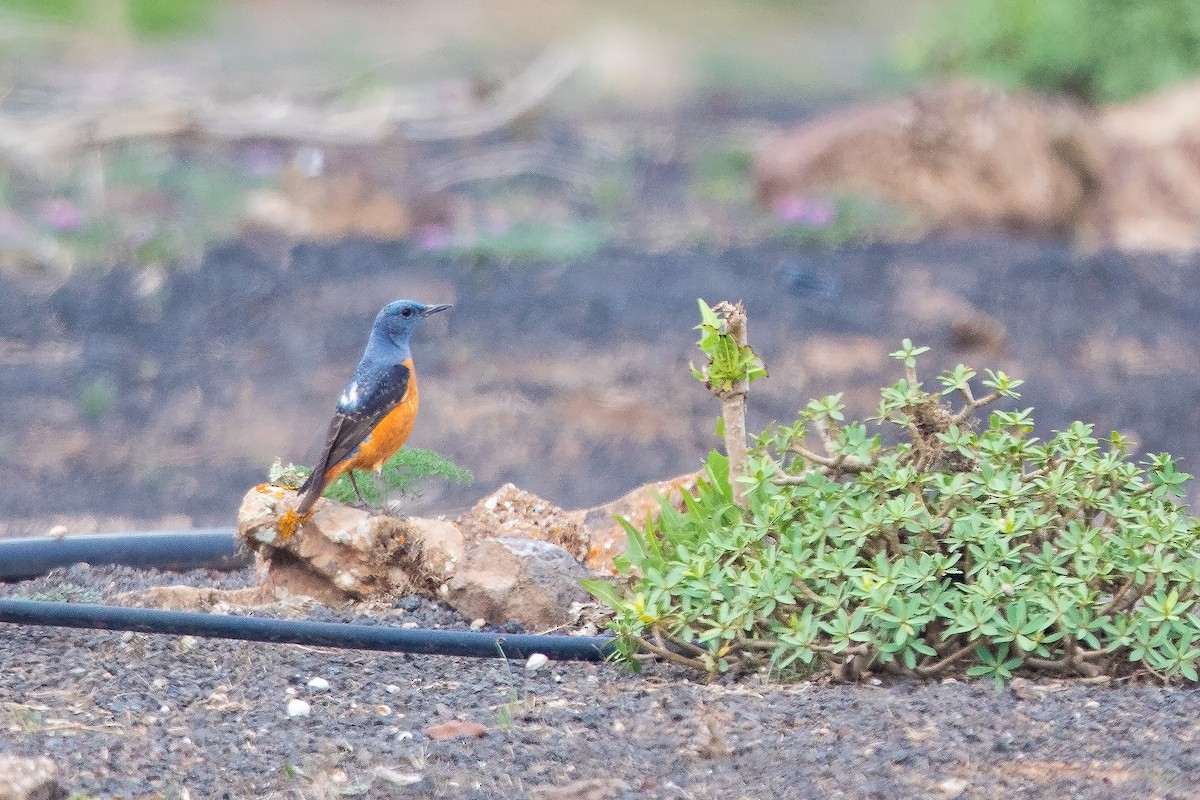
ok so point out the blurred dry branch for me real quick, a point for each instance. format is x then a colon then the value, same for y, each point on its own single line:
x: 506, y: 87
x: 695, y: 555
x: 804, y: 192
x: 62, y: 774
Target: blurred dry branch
x: 41, y: 146
x: 506, y: 162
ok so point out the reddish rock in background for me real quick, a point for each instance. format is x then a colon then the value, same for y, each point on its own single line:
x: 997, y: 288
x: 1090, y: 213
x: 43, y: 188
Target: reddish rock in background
x: 962, y: 157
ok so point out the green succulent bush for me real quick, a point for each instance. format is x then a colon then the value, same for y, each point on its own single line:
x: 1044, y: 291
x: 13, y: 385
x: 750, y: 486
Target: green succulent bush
x: 966, y: 546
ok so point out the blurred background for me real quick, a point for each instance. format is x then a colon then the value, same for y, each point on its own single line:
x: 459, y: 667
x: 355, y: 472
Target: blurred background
x: 203, y: 204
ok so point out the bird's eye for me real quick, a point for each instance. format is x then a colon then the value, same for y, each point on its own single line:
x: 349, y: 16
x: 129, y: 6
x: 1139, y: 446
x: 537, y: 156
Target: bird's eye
x: 408, y: 312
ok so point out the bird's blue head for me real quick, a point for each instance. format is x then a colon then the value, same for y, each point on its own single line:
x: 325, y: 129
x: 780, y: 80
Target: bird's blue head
x: 397, y: 320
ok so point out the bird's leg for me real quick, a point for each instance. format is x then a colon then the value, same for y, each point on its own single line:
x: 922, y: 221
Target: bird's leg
x: 380, y: 486
x: 353, y: 483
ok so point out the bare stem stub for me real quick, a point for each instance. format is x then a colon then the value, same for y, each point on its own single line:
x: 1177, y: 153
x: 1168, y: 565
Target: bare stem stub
x: 733, y: 402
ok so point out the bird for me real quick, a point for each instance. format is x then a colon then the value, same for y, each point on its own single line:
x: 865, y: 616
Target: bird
x: 377, y: 409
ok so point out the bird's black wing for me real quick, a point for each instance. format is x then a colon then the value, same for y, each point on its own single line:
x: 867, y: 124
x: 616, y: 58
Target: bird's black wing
x: 369, y: 397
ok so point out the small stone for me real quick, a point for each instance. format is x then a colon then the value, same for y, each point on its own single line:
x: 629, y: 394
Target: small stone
x: 408, y: 626
x: 454, y: 729
x: 404, y: 736
x: 383, y: 710
x: 477, y: 624
x: 298, y: 708
x: 953, y: 787
x: 57, y: 532
x: 400, y: 779
x: 391, y: 688
x: 514, y: 579
x: 29, y: 778
x: 536, y: 662
x: 318, y: 684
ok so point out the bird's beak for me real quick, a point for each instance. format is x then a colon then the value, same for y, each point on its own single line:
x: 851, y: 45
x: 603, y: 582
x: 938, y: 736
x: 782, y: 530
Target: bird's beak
x: 435, y: 309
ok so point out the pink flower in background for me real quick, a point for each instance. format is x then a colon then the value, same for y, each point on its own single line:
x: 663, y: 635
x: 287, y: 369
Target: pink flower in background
x: 262, y: 161
x: 496, y: 222
x: 62, y: 215
x: 803, y: 211
x: 10, y: 227
x: 432, y: 237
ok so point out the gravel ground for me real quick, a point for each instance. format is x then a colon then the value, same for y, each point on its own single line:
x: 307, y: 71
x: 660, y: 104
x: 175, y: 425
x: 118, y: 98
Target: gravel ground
x: 150, y: 716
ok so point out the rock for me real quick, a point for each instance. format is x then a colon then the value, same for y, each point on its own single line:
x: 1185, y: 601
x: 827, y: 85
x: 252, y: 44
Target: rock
x: 514, y: 512
x: 328, y: 204
x: 1148, y: 184
x: 536, y: 661
x: 455, y: 729
x: 513, y: 556
x: 964, y: 157
x: 605, y: 536
x: 589, y: 789
x: 961, y: 156
x: 525, y: 580
x: 298, y: 708
x: 971, y: 328
x: 29, y: 779
x: 341, y: 553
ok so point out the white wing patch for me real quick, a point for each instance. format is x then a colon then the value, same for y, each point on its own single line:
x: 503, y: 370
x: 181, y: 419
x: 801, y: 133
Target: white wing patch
x: 349, y: 398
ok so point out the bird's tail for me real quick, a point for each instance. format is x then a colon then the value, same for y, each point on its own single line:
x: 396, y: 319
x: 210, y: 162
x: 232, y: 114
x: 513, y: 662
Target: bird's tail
x: 310, y: 492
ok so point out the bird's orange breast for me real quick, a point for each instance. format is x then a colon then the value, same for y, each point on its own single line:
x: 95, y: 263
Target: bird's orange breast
x: 387, y: 437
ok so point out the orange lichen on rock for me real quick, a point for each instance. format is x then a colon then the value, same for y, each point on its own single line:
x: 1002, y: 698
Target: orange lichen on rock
x: 289, y: 523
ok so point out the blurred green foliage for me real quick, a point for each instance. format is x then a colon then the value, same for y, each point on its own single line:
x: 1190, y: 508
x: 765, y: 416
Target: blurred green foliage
x: 531, y: 243
x: 147, y: 18
x: 1097, y: 50
x: 97, y: 397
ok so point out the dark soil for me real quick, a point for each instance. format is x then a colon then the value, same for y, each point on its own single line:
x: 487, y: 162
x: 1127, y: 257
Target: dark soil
x: 162, y: 405
x: 148, y: 716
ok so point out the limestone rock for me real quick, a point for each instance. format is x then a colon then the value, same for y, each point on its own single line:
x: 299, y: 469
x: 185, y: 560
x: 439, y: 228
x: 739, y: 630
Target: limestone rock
x: 1148, y: 186
x: 962, y: 156
x: 514, y: 556
x: 29, y: 779
x: 341, y: 553
x: 606, y: 538
x: 965, y: 157
x: 510, y: 511
x: 529, y: 581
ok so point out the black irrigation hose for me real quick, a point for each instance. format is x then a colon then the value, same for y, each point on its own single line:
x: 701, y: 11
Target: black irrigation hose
x: 314, y: 634
x: 214, y: 548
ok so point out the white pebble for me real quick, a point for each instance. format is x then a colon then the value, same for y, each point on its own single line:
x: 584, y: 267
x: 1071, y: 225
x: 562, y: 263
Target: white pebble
x: 391, y: 688
x: 383, y: 710
x: 318, y: 684
x: 477, y: 624
x: 403, y: 736
x: 408, y: 626
x: 536, y: 662
x: 298, y: 708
